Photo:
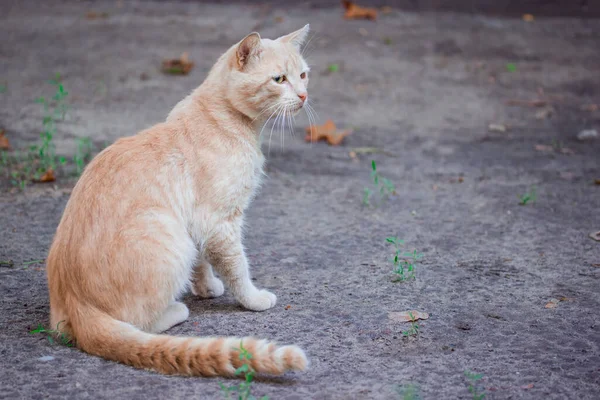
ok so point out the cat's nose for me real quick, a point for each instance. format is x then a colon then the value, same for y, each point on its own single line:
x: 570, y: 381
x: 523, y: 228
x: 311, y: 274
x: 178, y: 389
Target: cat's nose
x: 303, y: 96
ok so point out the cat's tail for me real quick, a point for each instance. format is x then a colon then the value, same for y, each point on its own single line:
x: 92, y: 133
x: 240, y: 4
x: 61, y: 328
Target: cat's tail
x: 99, y: 334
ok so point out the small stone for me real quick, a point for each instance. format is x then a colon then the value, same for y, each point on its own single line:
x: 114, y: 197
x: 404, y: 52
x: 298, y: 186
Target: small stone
x: 46, y: 358
x: 587, y: 134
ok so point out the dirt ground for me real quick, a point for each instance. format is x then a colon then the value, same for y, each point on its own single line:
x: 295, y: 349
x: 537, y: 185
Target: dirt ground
x: 423, y: 87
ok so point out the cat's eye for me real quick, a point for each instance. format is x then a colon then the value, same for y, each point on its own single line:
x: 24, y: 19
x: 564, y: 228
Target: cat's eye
x: 279, y: 79
x: 303, y: 75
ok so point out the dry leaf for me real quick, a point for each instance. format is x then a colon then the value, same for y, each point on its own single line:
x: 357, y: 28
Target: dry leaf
x: 497, y: 128
x: 544, y: 148
x: 590, y: 107
x: 528, y: 17
x: 530, y: 386
x: 595, y: 236
x: 354, y: 11
x: 597, y: 181
x: 405, y: 316
x: 278, y: 19
x: 180, y: 66
x: 363, y: 31
x: 544, y: 113
x: 553, y: 303
x: 4, y: 143
x: 47, y: 177
x: 288, y: 307
x: 95, y: 15
x: 327, y: 131
x: 386, y: 10
x: 527, y: 103
x: 566, y: 150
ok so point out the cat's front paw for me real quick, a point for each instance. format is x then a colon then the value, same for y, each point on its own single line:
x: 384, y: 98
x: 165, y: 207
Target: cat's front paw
x: 260, y: 301
x: 207, y: 290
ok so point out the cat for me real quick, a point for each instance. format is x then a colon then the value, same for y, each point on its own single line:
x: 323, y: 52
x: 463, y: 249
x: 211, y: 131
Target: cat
x: 153, y: 214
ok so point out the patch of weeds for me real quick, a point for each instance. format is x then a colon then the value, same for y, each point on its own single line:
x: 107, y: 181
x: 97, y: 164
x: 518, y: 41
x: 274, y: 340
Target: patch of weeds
x: 528, y: 197
x: 383, y: 186
x: 3, y: 88
x: 333, y: 67
x: 387, y: 40
x: 83, y: 154
x: 409, y: 391
x: 242, y: 391
x: 414, y: 327
x: 511, y: 67
x: 52, y: 333
x: 403, y: 261
x: 477, y: 391
x: 39, y: 161
x: 27, y: 264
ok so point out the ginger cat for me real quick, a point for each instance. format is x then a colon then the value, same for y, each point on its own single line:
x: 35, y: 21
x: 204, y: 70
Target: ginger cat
x: 154, y: 213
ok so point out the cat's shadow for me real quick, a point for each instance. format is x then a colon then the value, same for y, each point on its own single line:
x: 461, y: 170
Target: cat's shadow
x: 220, y: 305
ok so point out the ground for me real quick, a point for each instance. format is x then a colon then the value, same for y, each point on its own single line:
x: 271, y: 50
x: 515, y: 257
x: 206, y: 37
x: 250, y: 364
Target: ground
x: 424, y: 88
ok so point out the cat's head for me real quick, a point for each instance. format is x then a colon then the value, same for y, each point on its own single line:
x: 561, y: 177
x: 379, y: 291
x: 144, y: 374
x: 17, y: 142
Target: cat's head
x: 267, y: 77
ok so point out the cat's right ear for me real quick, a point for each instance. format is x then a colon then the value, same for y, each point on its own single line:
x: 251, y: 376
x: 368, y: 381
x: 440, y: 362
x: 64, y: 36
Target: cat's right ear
x: 248, y: 48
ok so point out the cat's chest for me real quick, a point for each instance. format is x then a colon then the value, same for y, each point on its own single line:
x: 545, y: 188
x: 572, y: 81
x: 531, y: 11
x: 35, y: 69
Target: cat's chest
x: 243, y: 178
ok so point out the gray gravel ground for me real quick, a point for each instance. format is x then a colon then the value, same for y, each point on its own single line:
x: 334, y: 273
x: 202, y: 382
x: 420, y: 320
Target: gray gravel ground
x: 427, y: 97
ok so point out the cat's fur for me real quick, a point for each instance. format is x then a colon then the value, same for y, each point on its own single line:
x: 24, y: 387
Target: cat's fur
x: 154, y: 213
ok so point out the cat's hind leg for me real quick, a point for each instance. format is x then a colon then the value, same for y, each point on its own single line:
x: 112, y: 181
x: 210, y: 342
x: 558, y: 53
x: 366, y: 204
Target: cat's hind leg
x: 175, y: 314
x: 204, y: 283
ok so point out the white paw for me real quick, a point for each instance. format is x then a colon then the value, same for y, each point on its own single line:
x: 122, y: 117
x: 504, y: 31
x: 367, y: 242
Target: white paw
x: 260, y: 301
x: 213, y: 288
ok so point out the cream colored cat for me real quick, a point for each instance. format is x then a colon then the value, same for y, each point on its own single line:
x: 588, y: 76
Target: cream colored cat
x: 154, y: 213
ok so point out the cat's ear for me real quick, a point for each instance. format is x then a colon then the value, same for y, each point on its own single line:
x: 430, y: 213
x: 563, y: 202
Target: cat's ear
x: 249, y: 47
x: 296, y: 38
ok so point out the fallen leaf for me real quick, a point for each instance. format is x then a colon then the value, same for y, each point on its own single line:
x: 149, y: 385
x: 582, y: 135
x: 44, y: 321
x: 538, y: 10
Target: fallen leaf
x: 327, y: 131
x: 595, y: 236
x: 530, y: 386
x: 4, y: 143
x: 47, y: 177
x: 595, y: 265
x: 278, y: 19
x: 386, y: 10
x: 544, y: 113
x: 553, y: 303
x: 288, y: 307
x: 354, y: 11
x: 569, y: 176
x: 528, y: 17
x: 527, y: 103
x: 544, y: 148
x: 363, y: 31
x: 587, y: 134
x: 590, y: 107
x: 179, y: 66
x: 597, y: 181
x: 95, y: 15
x: 405, y: 316
x: 497, y: 128
x: 566, y: 150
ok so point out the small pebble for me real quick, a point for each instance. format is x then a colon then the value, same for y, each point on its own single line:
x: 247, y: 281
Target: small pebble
x: 46, y: 358
x: 587, y: 134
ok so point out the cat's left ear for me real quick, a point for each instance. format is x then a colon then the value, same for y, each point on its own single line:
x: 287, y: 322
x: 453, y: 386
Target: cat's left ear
x: 296, y: 38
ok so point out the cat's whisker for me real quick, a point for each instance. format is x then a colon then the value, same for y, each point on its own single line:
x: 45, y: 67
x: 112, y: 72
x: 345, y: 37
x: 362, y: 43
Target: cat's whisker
x: 274, y: 113
x: 264, y: 111
x: 273, y: 126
